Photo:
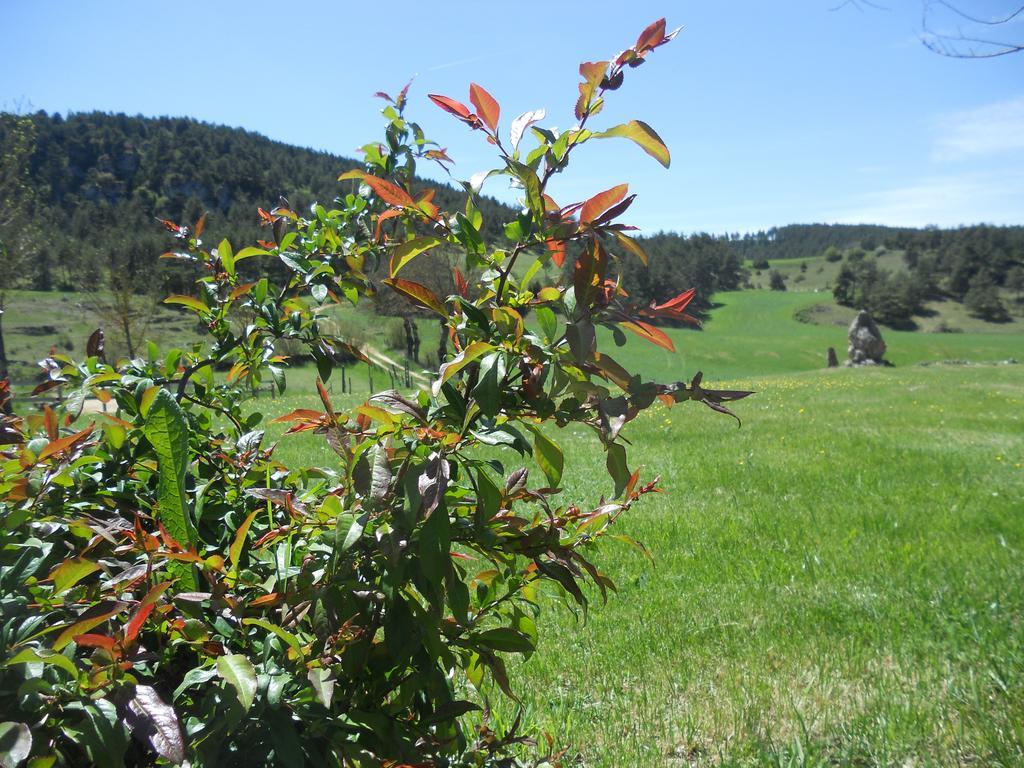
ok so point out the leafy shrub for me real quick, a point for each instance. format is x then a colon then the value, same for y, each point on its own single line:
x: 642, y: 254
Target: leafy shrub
x: 776, y: 281
x: 170, y: 591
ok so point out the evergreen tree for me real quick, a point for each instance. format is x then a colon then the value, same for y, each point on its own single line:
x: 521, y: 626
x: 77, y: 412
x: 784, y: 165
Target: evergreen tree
x: 982, y: 300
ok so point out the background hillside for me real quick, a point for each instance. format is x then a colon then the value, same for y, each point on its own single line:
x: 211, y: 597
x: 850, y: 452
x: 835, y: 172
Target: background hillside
x: 79, y: 235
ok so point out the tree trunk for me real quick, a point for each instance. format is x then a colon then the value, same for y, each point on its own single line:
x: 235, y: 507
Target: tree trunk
x: 3, y: 349
x: 442, y: 344
x: 127, y: 325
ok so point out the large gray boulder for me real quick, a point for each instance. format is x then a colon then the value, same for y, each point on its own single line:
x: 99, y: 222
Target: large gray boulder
x: 866, y: 345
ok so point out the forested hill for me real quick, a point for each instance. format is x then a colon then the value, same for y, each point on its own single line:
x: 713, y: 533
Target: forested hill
x: 80, y: 195
x: 805, y: 241
x: 98, y: 181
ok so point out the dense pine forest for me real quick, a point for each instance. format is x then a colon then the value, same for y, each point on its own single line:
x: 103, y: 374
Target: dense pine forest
x: 82, y: 195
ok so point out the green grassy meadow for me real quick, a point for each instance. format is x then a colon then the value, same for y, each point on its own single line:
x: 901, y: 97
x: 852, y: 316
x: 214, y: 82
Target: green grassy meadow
x: 838, y: 582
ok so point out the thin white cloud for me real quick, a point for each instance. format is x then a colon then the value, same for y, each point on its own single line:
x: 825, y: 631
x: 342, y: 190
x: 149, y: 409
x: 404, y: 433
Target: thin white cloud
x: 993, y: 129
x: 947, y: 201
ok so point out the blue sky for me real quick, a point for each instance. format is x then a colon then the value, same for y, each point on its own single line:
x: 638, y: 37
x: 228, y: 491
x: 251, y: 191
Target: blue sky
x: 775, y: 112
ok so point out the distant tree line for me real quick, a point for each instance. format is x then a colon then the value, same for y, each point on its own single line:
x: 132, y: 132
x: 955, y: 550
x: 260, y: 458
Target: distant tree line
x: 804, y: 241
x: 678, y: 263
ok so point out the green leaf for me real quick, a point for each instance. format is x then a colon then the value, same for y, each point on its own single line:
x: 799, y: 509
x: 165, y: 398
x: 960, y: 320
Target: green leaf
x: 616, y: 464
x: 460, y: 361
x: 323, y: 681
x: 548, y: 322
x: 487, y: 392
x: 227, y: 257
x: 238, y: 545
x: 506, y: 639
x: 291, y: 640
x: 319, y: 292
x: 645, y: 136
x: 548, y: 456
x: 194, y: 677
x: 488, y: 497
x: 409, y: 250
x: 380, y: 480
x: 40, y: 656
x: 531, y: 183
x: 249, y: 252
x: 83, y: 626
x: 15, y: 743
x: 631, y: 245
x: 102, y: 734
x: 238, y: 672
x: 434, y: 546
x: 70, y: 572
x: 167, y: 431
x: 188, y: 301
x: 475, y: 671
x: 287, y: 747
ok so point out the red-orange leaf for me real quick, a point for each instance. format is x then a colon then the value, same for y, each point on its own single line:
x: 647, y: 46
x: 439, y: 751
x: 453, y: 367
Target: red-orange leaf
x: 461, y: 285
x: 651, y: 37
x: 324, y: 398
x: 65, y: 443
x: 264, y: 601
x: 486, y: 106
x: 299, y: 414
x: 457, y: 108
x: 390, y: 193
x: 390, y: 213
x: 677, y: 304
x: 557, y: 248
x: 614, y: 212
x: 95, y: 641
x: 652, y: 334
x: 589, y: 272
x: 135, y: 625
x: 674, y: 308
x: 418, y: 294
x: 601, y: 202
